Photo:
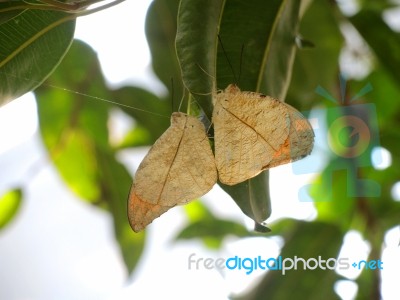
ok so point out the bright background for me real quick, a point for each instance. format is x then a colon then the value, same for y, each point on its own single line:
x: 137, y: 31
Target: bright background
x: 58, y: 247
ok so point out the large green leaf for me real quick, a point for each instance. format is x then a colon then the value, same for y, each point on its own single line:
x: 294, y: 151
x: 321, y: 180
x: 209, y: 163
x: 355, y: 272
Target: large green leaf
x: 9, y: 205
x: 384, y: 42
x: 383, y: 95
x: 306, y: 240
x: 32, y: 44
x: 160, y: 32
x: 196, y: 47
x: 252, y: 196
x: 74, y: 130
x: 115, y: 181
x: 318, y: 65
x: 150, y: 112
x: 267, y: 32
x: 73, y: 125
x: 210, y: 229
x: 9, y: 10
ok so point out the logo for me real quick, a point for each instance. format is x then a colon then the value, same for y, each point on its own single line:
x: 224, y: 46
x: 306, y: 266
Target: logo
x: 345, y: 136
x: 250, y: 264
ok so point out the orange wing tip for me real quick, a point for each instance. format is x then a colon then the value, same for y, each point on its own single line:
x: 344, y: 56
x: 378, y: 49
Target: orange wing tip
x: 289, y: 153
x: 142, y: 213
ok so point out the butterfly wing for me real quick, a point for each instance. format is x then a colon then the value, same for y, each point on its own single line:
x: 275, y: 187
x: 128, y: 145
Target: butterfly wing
x: 178, y: 168
x: 142, y: 213
x: 253, y: 132
x: 299, y: 143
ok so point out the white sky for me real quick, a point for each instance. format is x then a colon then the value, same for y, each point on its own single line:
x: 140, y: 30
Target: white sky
x: 61, y: 248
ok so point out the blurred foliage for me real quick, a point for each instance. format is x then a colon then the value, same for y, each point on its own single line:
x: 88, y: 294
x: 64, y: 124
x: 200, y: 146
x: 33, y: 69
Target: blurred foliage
x: 75, y: 132
x: 9, y: 204
x: 309, y: 239
x: 259, y: 38
x: 211, y: 230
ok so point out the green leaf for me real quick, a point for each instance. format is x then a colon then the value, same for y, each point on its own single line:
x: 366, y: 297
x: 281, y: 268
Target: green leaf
x: 130, y: 243
x: 9, y: 206
x: 114, y: 182
x: 32, y: 44
x: 385, y: 91
x: 283, y: 227
x: 316, y: 66
x: 306, y: 240
x: 384, y: 42
x: 74, y: 130
x: 252, y: 196
x: 8, y: 11
x: 268, y: 45
x: 160, y: 32
x: 149, y: 111
x: 74, y: 126
x: 280, y: 50
x: 196, y: 47
x: 266, y: 63
x: 211, y: 230
x: 329, y: 191
x: 138, y: 136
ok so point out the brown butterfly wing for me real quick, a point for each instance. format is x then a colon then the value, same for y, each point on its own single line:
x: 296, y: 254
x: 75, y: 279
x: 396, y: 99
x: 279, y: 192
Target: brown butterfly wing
x: 299, y: 143
x: 254, y: 132
x: 142, y: 213
x: 178, y: 168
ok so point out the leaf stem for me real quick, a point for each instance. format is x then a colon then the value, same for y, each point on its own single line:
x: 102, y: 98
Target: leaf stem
x: 78, y: 9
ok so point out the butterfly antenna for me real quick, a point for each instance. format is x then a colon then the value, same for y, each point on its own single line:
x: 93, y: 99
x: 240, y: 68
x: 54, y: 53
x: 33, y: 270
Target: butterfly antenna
x: 227, y: 58
x: 204, y: 71
x: 88, y: 96
x: 172, y: 94
x: 241, y: 63
x: 183, y: 97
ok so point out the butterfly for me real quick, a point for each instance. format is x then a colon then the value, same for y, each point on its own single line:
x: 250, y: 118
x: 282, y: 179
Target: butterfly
x: 178, y: 168
x: 255, y: 132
